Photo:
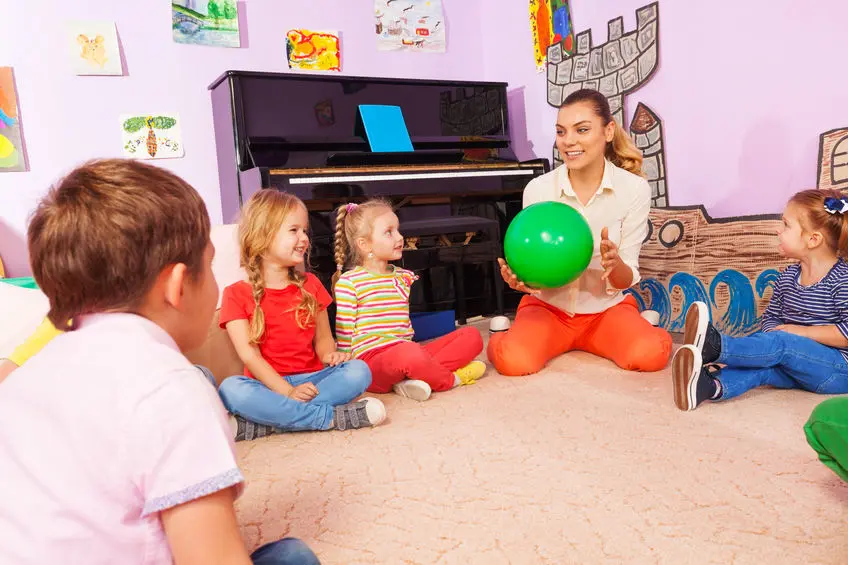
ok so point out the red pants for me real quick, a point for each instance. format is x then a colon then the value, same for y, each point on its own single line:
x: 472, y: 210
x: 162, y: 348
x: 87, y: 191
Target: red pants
x: 541, y: 332
x: 433, y: 363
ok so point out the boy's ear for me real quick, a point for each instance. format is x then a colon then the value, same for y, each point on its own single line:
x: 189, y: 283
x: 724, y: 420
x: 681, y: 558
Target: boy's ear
x: 172, y: 282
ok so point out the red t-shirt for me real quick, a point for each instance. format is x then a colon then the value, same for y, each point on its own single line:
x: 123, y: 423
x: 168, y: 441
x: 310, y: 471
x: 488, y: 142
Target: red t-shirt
x: 287, y: 348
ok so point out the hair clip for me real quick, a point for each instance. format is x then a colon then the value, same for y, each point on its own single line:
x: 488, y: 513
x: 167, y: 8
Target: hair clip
x: 351, y: 207
x: 339, y: 268
x: 835, y: 205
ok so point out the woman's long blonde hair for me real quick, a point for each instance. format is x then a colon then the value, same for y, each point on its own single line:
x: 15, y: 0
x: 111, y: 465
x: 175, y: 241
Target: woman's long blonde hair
x: 354, y: 221
x: 261, y: 219
x: 621, y: 151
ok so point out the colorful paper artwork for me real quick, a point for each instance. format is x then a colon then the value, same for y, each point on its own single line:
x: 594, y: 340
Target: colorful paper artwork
x: 93, y: 47
x: 12, y: 158
x: 550, y: 23
x: 313, y: 50
x: 152, y: 136
x: 324, y: 113
x: 206, y: 22
x: 410, y: 25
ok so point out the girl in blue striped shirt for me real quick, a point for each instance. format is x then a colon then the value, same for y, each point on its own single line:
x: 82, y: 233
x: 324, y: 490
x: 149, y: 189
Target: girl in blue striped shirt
x: 804, y: 338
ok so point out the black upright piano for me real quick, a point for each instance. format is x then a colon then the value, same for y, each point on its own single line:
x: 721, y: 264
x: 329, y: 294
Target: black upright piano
x: 299, y: 133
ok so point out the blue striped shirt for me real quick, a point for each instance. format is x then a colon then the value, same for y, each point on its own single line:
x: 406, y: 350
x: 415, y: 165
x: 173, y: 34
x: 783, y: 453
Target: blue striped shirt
x: 821, y: 304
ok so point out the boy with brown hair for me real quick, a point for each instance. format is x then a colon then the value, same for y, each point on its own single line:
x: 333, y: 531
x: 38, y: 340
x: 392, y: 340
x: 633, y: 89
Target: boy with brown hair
x: 113, y: 446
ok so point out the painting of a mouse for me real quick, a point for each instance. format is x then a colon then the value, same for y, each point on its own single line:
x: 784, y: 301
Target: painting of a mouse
x: 93, y: 50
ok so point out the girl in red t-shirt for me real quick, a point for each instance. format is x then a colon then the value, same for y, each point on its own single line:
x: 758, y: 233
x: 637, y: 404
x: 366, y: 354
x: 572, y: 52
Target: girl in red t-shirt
x: 294, y: 378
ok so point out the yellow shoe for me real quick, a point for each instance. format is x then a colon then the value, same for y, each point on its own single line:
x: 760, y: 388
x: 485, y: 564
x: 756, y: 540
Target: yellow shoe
x: 469, y: 374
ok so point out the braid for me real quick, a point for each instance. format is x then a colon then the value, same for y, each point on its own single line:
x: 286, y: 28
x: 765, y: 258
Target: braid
x: 341, y: 246
x: 308, y: 308
x: 257, y: 323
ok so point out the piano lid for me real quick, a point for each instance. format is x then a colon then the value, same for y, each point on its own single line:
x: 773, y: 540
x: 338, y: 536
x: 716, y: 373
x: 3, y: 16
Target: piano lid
x: 287, y: 120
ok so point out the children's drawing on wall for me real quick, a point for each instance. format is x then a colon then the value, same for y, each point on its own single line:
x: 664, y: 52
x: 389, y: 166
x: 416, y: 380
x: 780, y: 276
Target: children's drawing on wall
x: 313, y: 50
x: 324, y: 113
x: 206, y: 22
x: 550, y: 23
x: 413, y: 25
x: 94, y: 49
x: 12, y: 157
x: 152, y: 137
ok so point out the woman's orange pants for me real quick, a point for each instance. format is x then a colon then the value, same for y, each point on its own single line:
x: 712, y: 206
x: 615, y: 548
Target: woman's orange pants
x: 541, y: 332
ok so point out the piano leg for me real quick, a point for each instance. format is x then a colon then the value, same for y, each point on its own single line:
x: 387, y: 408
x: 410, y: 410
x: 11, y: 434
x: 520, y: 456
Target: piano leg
x: 459, y: 289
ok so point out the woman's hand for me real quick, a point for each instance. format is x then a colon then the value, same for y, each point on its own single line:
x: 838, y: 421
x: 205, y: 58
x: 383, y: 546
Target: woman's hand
x: 512, y: 280
x: 304, y: 392
x: 334, y: 358
x: 610, y: 259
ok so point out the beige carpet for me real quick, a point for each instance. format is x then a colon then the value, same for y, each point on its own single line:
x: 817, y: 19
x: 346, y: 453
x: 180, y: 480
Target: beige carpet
x: 582, y: 463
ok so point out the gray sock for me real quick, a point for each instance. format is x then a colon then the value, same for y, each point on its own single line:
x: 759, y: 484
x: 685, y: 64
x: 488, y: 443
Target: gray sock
x: 248, y: 430
x: 351, y: 416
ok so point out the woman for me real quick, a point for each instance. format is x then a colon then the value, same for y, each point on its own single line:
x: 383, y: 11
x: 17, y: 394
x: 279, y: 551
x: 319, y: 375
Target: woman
x: 601, y: 178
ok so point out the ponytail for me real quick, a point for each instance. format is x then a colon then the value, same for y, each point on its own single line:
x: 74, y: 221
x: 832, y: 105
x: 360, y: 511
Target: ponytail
x: 257, y: 284
x: 341, y: 244
x: 623, y: 153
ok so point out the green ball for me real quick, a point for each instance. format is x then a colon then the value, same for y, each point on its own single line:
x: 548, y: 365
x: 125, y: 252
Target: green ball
x: 548, y: 245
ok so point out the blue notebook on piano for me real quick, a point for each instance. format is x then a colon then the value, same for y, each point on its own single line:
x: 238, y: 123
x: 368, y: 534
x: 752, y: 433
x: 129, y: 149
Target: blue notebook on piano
x: 384, y: 128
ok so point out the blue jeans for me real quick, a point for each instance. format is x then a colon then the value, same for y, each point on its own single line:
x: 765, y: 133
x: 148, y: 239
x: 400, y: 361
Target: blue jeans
x: 782, y: 360
x: 337, y: 385
x: 288, y: 551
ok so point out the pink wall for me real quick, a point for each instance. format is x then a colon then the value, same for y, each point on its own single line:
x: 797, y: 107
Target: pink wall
x: 742, y: 113
x: 741, y: 123
x: 68, y: 119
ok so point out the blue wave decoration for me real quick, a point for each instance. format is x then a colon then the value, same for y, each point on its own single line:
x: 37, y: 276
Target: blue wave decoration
x: 741, y: 315
x: 639, y: 300
x: 659, y: 299
x: 766, y: 279
x: 693, y: 291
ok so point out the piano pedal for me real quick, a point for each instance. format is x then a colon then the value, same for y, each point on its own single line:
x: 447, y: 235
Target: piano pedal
x: 445, y: 240
x: 410, y: 243
x: 468, y: 236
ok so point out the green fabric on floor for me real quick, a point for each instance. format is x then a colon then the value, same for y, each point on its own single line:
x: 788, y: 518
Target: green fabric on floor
x: 26, y: 282
x: 827, y: 433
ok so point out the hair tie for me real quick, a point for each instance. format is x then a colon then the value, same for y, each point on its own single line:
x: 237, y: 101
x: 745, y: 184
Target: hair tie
x: 351, y: 207
x: 339, y: 268
x: 835, y: 205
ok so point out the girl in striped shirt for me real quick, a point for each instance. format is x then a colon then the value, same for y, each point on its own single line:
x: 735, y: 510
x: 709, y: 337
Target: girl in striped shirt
x: 804, y: 338
x: 372, y: 315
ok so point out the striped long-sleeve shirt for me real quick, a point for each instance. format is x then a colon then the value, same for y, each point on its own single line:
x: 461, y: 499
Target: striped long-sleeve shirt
x: 820, y: 304
x: 372, y: 311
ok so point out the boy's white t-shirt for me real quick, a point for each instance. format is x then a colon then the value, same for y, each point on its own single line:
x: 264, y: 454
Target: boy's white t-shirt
x: 621, y: 204
x: 107, y: 426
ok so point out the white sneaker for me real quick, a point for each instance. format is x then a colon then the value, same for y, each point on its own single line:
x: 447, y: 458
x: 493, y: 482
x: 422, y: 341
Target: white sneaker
x: 375, y: 410
x: 652, y: 316
x: 414, y: 389
x: 498, y: 324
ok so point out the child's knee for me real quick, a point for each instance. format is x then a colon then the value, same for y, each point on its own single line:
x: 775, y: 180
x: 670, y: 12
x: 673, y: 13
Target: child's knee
x: 471, y: 338
x: 648, y: 352
x: 357, y: 373
x: 510, y: 358
x: 233, y: 393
